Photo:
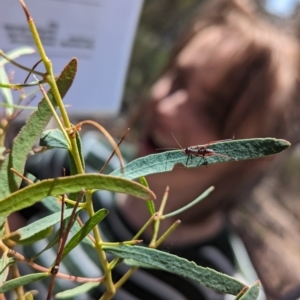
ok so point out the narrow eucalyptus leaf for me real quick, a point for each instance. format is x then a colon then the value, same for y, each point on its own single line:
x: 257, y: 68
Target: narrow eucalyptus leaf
x: 63, y: 185
x: 233, y: 150
x: 31, y: 131
x: 149, y: 203
x: 53, y: 241
x: 21, y: 281
x: 2, y: 226
x: 29, y: 296
x: 85, y: 230
x: 152, y: 258
x: 53, y: 138
x: 31, y: 232
x: 252, y: 293
x: 77, y: 290
x: 15, y: 53
x: 4, y: 267
x: 6, y: 93
x: 51, y: 203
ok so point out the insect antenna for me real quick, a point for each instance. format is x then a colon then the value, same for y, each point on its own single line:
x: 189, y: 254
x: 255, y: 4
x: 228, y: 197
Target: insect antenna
x: 172, y: 148
x: 176, y: 141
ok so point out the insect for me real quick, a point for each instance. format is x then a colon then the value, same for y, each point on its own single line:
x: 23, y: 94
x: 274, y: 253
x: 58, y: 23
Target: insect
x: 201, y: 151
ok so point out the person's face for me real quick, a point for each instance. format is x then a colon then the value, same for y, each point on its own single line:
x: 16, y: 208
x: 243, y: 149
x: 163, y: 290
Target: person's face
x: 176, y: 106
x: 180, y: 98
x: 179, y: 105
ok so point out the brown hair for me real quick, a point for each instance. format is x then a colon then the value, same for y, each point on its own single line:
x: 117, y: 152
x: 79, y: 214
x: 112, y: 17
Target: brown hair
x: 256, y: 91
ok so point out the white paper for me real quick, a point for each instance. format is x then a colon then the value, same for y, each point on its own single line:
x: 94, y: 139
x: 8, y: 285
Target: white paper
x: 100, y: 33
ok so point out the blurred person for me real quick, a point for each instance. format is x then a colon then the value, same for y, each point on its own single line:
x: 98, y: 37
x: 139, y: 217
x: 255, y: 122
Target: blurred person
x: 232, y: 73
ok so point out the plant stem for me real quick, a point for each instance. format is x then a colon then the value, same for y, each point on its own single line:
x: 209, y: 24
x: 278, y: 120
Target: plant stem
x: 110, y: 288
x: 159, y: 215
x: 49, y: 77
x: 55, y: 115
x: 18, y: 86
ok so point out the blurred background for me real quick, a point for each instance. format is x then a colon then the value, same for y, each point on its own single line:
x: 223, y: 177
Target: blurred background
x: 269, y: 221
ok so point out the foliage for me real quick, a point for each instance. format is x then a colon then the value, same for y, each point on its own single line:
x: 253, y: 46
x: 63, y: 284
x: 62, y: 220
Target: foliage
x: 80, y: 186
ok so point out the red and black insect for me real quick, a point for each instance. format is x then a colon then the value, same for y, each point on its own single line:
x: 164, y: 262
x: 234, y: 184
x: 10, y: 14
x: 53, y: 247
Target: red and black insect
x: 201, y: 151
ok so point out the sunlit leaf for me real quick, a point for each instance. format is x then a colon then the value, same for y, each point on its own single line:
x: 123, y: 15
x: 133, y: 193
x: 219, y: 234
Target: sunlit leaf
x: 252, y: 293
x: 149, y: 203
x: 77, y: 290
x: 40, y: 228
x: 2, y: 226
x: 21, y: 281
x: 4, y: 264
x: 6, y: 93
x: 63, y: 185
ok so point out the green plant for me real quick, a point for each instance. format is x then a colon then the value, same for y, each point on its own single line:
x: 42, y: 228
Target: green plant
x: 80, y: 186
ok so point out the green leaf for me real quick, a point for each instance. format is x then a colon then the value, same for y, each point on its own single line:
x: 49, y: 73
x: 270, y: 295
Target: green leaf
x: 63, y: 185
x: 2, y: 226
x: 6, y: 93
x: 29, y: 296
x: 21, y: 281
x: 150, y: 203
x: 53, y: 138
x: 77, y: 290
x: 152, y: 258
x: 37, y: 230
x: 53, y: 241
x: 252, y: 293
x: 4, y: 267
x: 51, y: 203
x: 31, y: 131
x: 232, y: 150
x: 15, y: 53
x: 84, y: 230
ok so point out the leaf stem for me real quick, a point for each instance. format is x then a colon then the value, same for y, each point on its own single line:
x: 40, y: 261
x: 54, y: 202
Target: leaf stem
x: 116, y: 260
x: 20, y: 66
x: 191, y: 204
